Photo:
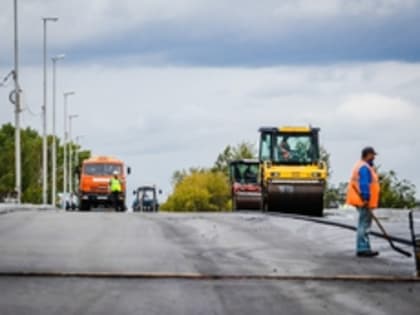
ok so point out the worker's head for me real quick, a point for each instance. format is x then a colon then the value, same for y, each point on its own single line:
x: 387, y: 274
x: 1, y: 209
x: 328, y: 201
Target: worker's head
x: 115, y: 173
x: 368, y: 154
x: 284, y: 143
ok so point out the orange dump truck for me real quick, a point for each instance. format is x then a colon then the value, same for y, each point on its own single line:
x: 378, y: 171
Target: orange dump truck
x: 95, y: 175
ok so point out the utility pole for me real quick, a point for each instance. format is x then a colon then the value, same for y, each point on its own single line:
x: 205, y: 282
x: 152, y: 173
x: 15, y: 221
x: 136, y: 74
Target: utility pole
x: 18, y: 176
x: 54, y: 133
x: 71, y: 117
x: 44, y: 116
x: 66, y: 95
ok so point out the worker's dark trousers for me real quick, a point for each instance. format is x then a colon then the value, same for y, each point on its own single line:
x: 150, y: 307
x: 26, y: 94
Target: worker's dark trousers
x: 115, y: 195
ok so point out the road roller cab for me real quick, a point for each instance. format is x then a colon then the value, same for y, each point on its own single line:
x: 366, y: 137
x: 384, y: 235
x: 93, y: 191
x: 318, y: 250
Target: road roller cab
x: 245, y: 184
x: 292, y: 176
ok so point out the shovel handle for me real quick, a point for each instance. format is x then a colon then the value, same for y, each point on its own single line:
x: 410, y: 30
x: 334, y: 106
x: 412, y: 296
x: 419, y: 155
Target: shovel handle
x: 391, y: 243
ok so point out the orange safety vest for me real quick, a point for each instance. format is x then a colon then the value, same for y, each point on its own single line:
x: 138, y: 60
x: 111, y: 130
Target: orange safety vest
x: 353, y: 192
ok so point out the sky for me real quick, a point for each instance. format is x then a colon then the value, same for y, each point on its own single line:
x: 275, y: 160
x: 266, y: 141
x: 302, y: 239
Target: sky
x: 166, y: 85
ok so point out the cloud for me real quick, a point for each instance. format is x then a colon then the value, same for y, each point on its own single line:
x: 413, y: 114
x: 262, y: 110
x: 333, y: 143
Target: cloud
x: 217, y: 33
x: 328, y: 8
x: 378, y: 110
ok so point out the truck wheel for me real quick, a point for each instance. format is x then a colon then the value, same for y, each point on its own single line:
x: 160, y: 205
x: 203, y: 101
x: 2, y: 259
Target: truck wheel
x: 121, y: 207
x: 264, y: 202
x: 319, y: 208
x: 84, y: 206
x: 315, y: 209
x: 234, y: 204
x: 263, y: 205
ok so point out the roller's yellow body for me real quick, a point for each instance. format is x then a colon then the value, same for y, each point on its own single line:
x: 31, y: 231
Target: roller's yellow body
x: 292, y: 176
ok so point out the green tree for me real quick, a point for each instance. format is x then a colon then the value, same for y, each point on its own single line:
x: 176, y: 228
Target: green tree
x: 179, y: 175
x: 202, y: 190
x: 396, y: 193
x: 7, y: 155
x: 332, y: 194
x: 244, y: 150
x: 325, y: 156
x: 31, y: 144
x: 31, y: 166
x: 335, y: 195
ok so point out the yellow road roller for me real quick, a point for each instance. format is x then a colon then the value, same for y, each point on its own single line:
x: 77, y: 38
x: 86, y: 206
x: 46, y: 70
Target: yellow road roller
x: 293, y: 177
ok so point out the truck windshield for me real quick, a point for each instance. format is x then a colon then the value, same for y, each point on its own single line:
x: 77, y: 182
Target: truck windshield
x: 146, y: 194
x: 245, y: 173
x: 102, y: 169
x: 294, y: 149
x: 289, y: 148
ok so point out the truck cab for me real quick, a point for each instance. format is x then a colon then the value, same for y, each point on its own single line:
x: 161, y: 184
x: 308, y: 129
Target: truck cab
x: 95, y: 175
x: 245, y: 184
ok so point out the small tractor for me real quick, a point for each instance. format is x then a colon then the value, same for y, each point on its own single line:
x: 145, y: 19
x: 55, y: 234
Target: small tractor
x: 145, y: 199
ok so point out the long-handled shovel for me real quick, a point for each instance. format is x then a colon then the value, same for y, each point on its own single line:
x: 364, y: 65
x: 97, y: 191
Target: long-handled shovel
x: 391, y: 243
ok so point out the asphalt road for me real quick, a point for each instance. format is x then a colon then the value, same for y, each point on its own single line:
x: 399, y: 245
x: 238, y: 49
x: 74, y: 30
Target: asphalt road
x: 223, y: 244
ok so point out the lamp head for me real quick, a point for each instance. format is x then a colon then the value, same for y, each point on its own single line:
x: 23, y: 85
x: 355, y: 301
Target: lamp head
x: 69, y: 93
x: 58, y: 57
x: 50, y: 18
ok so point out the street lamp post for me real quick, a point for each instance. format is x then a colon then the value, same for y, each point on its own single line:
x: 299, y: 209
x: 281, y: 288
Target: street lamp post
x: 44, y: 114
x: 54, y: 140
x: 77, y: 153
x: 66, y: 95
x: 70, y: 173
x: 18, y: 176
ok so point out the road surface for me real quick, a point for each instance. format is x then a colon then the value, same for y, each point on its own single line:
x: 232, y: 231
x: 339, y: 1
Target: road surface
x: 223, y: 244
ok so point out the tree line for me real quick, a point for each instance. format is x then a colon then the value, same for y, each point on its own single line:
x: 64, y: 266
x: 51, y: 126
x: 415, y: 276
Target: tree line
x: 208, y: 189
x: 31, y: 145
x: 195, y: 189
x: 395, y: 192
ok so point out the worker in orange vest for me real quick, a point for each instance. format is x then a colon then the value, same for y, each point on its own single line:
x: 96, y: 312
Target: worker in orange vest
x: 363, y: 193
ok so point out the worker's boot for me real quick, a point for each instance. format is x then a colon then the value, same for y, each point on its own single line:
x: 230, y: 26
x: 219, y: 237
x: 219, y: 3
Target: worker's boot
x: 368, y: 253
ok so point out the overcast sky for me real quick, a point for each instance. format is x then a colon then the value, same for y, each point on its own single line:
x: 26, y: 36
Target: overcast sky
x: 166, y: 85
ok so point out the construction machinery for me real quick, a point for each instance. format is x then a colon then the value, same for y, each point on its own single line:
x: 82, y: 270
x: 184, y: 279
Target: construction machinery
x: 293, y: 178
x: 245, y: 184
x: 145, y: 199
x: 95, y: 175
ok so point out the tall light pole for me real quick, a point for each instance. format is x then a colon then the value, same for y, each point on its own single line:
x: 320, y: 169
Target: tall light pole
x: 71, y: 117
x: 44, y: 114
x: 66, y: 95
x: 54, y: 139
x: 77, y: 153
x: 18, y: 176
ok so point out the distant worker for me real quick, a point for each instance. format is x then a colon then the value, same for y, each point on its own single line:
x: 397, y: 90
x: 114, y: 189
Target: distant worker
x: 237, y: 174
x: 284, y: 150
x: 115, y: 187
x: 249, y: 175
x: 363, y: 193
